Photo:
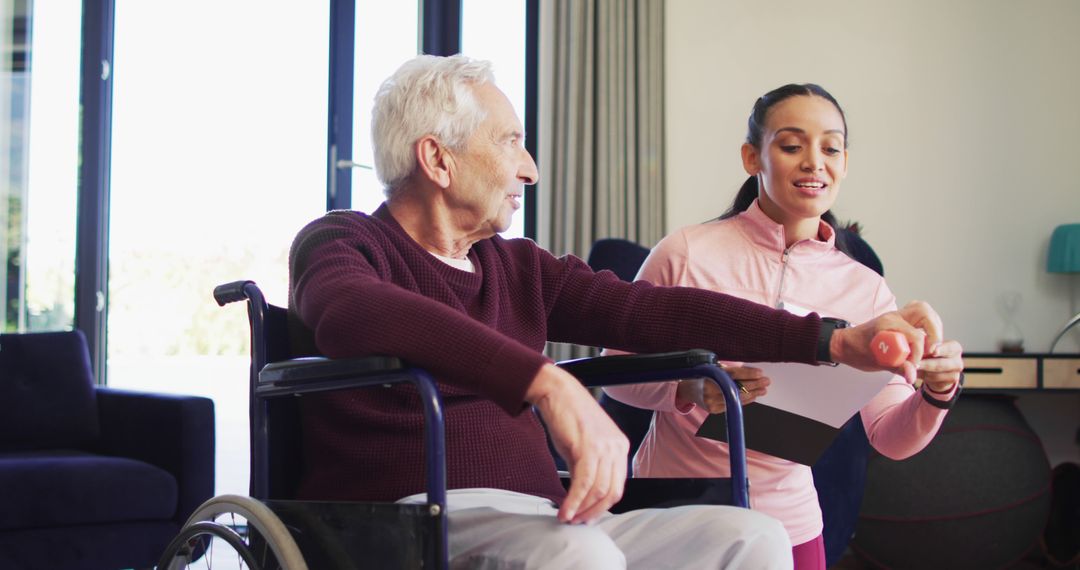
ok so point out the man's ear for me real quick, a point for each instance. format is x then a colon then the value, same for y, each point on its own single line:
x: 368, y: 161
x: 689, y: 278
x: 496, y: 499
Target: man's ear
x: 751, y: 159
x: 433, y: 160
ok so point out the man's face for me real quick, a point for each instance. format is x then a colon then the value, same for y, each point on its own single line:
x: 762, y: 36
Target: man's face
x: 492, y: 168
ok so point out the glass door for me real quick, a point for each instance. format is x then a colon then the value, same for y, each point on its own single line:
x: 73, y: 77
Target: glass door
x: 387, y: 35
x: 218, y: 159
x: 39, y: 162
x: 495, y: 30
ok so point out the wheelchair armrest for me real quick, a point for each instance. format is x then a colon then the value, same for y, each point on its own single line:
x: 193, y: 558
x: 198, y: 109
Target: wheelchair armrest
x: 316, y: 374
x: 635, y: 368
x: 320, y: 374
x: 643, y: 368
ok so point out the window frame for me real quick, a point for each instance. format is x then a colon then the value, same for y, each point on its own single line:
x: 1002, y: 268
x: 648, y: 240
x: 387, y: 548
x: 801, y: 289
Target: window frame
x: 440, y: 33
x: 95, y: 150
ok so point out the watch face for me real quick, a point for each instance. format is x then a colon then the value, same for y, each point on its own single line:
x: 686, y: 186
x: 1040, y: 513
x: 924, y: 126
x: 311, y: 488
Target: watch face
x: 828, y: 325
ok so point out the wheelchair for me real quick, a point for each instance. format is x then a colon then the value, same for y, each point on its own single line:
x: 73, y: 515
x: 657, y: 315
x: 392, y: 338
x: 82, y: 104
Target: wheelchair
x: 271, y: 530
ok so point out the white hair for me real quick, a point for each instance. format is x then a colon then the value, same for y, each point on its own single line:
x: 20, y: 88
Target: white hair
x: 427, y: 95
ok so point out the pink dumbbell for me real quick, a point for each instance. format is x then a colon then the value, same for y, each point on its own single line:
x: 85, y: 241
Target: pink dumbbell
x: 890, y: 348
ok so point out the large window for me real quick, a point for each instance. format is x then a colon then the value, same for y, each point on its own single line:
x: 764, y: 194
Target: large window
x: 218, y: 159
x: 387, y: 35
x: 495, y: 30
x: 39, y: 114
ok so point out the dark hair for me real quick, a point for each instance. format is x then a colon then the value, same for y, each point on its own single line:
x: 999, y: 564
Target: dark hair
x: 755, y: 129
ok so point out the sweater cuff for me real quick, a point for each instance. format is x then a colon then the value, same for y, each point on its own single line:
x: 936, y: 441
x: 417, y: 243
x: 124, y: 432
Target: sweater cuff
x: 507, y: 374
x: 800, y: 338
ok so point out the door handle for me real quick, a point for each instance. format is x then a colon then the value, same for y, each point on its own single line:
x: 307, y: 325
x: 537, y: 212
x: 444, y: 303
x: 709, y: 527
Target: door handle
x: 345, y: 163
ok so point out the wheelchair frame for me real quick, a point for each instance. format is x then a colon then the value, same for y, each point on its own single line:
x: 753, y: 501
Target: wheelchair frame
x: 291, y: 527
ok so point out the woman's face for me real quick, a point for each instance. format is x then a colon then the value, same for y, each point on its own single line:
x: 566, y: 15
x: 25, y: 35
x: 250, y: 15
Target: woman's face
x: 802, y: 159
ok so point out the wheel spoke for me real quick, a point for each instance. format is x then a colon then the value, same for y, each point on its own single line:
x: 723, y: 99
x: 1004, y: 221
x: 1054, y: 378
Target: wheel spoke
x: 238, y: 522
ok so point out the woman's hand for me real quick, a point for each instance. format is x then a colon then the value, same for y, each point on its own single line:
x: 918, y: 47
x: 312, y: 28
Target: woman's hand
x: 941, y: 369
x: 703, y: 392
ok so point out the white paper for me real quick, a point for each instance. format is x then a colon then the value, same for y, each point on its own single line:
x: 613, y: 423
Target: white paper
x: 828, y: 394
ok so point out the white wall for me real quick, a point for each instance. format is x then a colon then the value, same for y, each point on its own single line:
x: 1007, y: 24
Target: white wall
x: 964, y: 121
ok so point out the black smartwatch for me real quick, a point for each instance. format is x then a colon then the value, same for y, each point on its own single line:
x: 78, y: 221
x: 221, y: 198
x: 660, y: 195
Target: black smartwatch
x: 828, y: 327
x: 946, y: 404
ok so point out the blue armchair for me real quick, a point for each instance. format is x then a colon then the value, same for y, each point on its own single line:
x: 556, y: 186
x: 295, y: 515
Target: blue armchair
x: 92, y: 477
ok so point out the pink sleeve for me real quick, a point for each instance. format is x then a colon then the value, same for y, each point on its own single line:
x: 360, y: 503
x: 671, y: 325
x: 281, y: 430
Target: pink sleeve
x: 898, y: 422
x: 657, y: 396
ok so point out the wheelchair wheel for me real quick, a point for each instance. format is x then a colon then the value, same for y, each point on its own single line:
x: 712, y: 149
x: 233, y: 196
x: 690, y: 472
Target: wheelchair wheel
x: 232, y: 531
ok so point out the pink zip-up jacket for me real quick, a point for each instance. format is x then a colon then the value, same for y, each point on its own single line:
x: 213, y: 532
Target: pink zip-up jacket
x: 745, y: 256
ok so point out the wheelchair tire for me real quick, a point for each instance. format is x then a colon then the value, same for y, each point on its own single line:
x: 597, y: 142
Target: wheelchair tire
x: 277, y: 550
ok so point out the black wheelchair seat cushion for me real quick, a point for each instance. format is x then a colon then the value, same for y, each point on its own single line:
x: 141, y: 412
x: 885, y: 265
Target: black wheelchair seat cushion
x: 68, y: 488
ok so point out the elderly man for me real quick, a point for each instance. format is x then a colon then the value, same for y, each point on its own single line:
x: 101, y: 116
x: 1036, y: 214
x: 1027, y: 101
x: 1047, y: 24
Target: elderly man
x: 427, y: 277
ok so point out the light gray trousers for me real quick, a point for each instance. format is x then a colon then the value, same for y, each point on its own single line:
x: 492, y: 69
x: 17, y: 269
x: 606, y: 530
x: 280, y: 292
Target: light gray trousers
x: 496, y: 529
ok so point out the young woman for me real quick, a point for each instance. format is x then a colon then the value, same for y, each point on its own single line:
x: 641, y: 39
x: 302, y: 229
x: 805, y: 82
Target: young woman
x: 778, y: 245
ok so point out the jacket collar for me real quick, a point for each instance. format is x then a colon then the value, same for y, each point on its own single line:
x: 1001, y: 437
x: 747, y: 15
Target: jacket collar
x: 763, y: 232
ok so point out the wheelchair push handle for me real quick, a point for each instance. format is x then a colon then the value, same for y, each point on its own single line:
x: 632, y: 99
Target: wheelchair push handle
x: 231, y: 292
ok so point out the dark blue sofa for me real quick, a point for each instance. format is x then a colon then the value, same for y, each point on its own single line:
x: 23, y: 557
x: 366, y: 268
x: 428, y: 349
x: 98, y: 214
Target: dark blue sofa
x: 92, y: 477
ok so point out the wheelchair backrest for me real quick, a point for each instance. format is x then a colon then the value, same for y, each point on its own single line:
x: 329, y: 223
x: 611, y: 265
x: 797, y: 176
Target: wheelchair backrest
x: 274, y: 337
x: 282, y: 415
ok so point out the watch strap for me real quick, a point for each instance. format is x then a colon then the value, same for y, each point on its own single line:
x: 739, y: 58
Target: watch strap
x: 828, y: 327
x: 943, y: 404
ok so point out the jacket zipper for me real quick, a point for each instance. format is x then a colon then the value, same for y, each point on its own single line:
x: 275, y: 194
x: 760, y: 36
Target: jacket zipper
x: 783, y: 271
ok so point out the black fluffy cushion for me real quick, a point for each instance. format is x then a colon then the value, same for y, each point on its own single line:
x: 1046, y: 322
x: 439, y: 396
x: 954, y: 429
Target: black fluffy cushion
x: 977, y: 497
x: 46, y: 391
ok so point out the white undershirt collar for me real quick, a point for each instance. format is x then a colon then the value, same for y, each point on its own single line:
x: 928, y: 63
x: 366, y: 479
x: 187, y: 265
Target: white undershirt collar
x: 462, y: 264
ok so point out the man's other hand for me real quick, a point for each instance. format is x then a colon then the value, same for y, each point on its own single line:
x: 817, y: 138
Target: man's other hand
x: 594, y: 448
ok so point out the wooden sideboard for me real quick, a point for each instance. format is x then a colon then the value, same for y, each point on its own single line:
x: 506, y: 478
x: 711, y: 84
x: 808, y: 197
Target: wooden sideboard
x: 1021, y: 371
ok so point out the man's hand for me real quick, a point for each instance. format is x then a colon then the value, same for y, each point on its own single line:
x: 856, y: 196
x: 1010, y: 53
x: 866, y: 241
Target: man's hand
x: 594, y: 448
x: 704, y: 393
x: 917, y: 321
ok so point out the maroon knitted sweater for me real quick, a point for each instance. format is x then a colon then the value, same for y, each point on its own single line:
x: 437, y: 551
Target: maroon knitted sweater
x: 363, y: 286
